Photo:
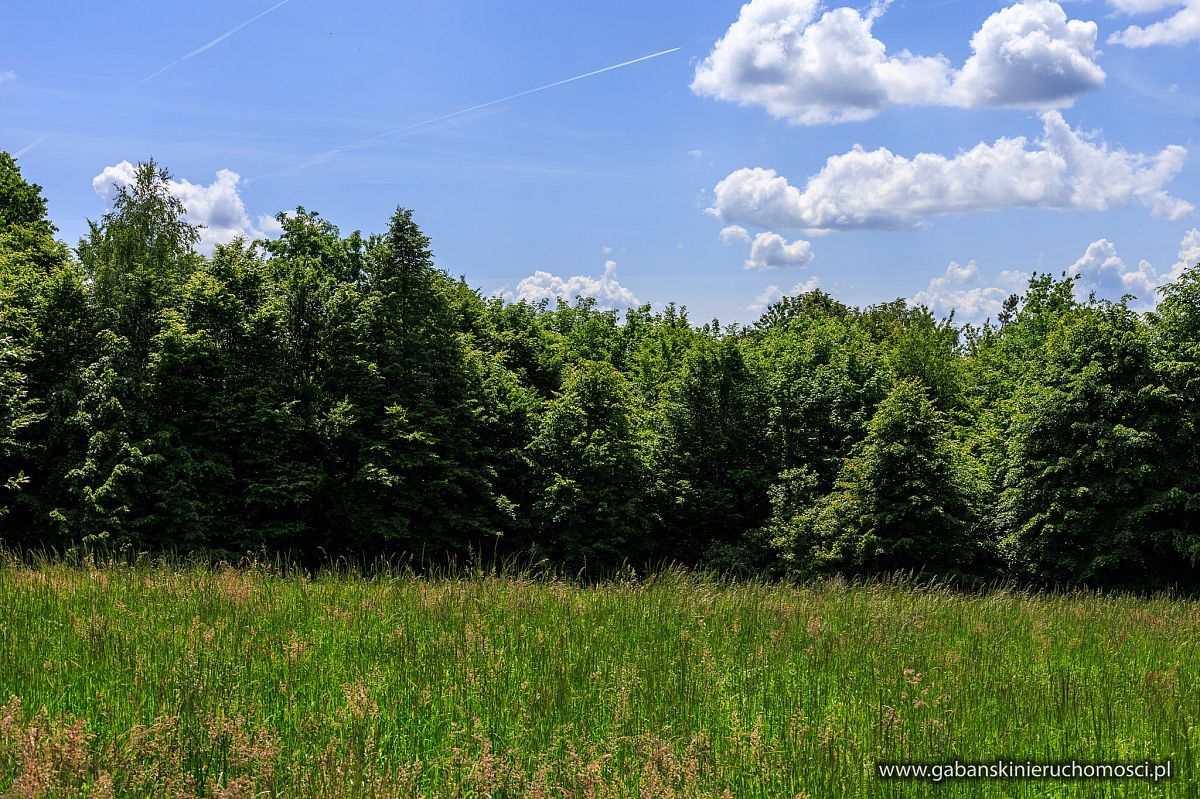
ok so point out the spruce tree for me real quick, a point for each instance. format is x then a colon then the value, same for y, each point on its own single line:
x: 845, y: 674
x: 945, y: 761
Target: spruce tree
x: 421, y: 469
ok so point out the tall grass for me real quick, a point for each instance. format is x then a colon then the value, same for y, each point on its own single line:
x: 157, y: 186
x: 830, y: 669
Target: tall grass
x: 169, y: 680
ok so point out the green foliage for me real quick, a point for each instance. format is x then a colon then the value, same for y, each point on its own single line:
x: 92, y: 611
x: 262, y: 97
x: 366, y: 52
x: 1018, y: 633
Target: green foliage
x: 591, y: 453
x: 1176, y: 331
x: 1087, y: 479
x: 326, y: 394
x: 136, y: 262
x: 902, y: 499
x: 825, y: 377
x: 138, y: 257
x: 21, y: 202
x: 413, y: 427
x: 715, y: 453
x: 16, y: 412
x: 38, y: 343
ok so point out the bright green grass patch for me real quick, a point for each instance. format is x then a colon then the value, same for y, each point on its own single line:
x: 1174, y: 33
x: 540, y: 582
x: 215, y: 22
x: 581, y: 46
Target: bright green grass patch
x: 179, y: 681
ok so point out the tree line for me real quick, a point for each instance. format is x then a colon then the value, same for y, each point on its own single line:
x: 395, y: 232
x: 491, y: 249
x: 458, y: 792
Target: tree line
x: 323, y: 394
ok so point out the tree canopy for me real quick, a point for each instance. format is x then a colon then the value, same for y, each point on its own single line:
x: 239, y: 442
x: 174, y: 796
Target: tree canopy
x: 323, y: 394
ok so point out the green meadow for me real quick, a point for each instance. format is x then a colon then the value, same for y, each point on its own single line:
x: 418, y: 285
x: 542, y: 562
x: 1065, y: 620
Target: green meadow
x: 177, y: 681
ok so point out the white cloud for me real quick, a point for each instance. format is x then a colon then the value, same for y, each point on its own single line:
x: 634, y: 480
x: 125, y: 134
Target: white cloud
x: 732, y: 234
x: 1029, y: 55
x: 1180, y: 28
x: 1013, y: 280
x: 778, y: 54
x: 811, y: 66
x: 1189, y: 254
x: 217, y: 206
x: 1066, y: 170
x: 606, y: 289
x: 1103, y: 272
x: 770, y: 251
x: 773, y: 294
x: 7, y: 75
x: 960, y: 290
x: 269, y: 226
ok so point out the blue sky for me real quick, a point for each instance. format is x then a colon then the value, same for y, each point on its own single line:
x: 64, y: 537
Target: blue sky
x: 874, y: 150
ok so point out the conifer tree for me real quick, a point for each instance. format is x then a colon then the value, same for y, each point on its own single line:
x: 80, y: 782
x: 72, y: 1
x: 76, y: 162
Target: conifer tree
x: 420, y: 463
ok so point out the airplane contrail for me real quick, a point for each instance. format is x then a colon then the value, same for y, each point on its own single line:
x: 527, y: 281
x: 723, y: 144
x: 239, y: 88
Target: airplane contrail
x: 356, y: 145
x: 31, y: 145
x: 209, y: 45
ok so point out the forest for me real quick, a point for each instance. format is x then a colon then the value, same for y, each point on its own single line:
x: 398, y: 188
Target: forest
x: 323, y: 395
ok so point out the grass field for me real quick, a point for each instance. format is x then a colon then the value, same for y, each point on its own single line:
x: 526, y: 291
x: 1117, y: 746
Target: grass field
x: 164, y: 681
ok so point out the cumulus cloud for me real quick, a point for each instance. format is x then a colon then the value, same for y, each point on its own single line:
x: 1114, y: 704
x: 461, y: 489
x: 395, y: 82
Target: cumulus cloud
x: 1104, y: 273
x: 960, y: 290
x: 1181, y: 27
x: 7, y: 75
x: 1189, y: 253
x: 217, y: 206
x: 780, y: 55
x: 773, y: 294
x: 812, y: 67
x: 1066, y: 169
x: 1029, y: 55
x: 771, y: 251
x: 606, y: 289
x: 732, y: 234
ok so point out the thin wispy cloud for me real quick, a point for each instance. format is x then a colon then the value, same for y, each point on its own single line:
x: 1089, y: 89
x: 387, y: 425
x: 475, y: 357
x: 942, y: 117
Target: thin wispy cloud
x: 209, y: 45
x: 361, y: 143
x: 31, y: 145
